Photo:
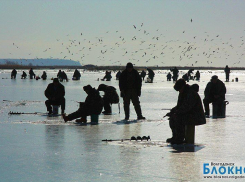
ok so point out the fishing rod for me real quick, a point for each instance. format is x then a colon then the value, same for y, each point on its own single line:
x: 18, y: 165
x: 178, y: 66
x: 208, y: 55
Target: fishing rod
x: 19, y: 113
x: 163, y: 117
x: 133, y: 138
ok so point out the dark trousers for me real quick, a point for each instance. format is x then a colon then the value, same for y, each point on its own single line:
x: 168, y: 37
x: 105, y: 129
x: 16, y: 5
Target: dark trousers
x: 13, y: 76
x: 227, y: 75
x: 107, y: 105
x: 31, y: 76
x: 151, y: 77
x: 175, y: 77
x: 178, y: 128
x: 208, y: 100
x: 131, y: 94
x: 61, y: 102
x: 81, y: 112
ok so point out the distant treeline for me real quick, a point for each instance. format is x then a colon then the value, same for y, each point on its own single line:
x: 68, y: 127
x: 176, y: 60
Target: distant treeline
x: 113, y: 68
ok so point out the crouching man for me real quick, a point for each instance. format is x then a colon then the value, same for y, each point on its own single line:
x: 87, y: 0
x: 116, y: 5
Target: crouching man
x: 93, y: 105
x: 110, y: 97
x: 189, y: 111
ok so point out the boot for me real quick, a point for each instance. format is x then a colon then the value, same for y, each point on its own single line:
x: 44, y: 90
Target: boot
x: 65, y: 117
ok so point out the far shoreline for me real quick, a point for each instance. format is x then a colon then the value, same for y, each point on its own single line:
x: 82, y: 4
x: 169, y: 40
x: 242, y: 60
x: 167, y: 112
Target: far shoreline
x: 114, y: 68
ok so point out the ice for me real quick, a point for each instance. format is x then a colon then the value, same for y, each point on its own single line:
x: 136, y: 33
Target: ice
x: 41, y: 148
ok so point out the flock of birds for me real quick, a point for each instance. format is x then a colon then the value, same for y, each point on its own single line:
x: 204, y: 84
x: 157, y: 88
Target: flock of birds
x: 143, y: 47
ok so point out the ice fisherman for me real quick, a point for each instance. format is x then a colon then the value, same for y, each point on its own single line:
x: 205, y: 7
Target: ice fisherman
x: 175, y: 73
x: 107, y: 76
x: 13, y: 74
x: 93, y: 105
x: 32, y: 74
x: 44, y: 75
x: 188, y: 111
x: 142, y: 75
x: 24, y: 75
x: 227, y: 73
x: 110, y: 97
x: 214, y: 92
x: 130, y: 86
x: 76, y: 75
x: 197, y: 76
x: 55, y: 92
x: 169, y: 76
x: 151, y: 74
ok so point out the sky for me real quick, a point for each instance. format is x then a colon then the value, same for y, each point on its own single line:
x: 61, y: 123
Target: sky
x: 113, y: 32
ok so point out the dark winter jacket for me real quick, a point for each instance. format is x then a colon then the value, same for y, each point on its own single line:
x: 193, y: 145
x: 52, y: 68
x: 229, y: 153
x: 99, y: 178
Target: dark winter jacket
x: 111, y: 95
x: 77, y: 74
x: 93, y: 102
x: 227, y: 70
x: 217, y: 88
x: 123, y: 81
x: 57, y: 92
x: 189, y: 107
x: 14, y: 72
x: 151, y: 73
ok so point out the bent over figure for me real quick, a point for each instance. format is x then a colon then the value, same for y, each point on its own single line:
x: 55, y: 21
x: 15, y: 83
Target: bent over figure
x: 214, y: 92
x: 110, y: 97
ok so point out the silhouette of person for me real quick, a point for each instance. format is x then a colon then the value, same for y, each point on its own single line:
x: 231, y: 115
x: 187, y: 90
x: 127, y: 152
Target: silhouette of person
x: 197, y: 76
x: 44, y: 75
x: 32, y: 74
x: 24, y: 75
x: 13, y: 74
x: 93, y: 105
x: 55, y: 92
x: 151, y: 74
x: 227, y: 73
x: 110, y: 97
x: 214, y: 92
x: 175, y: 73
x: 107, y: 76
x: 142, y: 75
x: 76, y: 75
x: 130, y: 86
x: 188, y: 111
x: 169, y: 76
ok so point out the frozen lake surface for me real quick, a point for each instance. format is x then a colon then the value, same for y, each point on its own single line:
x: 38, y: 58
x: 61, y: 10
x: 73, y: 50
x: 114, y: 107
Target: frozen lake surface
x: 41, y: 148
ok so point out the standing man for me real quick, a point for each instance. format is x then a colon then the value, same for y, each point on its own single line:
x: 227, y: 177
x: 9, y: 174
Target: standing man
x: 55, y: 93
x: 13, y: 74
x: 175, y: 73
x: 32, y: 74
x: 227, y: 73
x: 142, y: 75
x: 130, y: 86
